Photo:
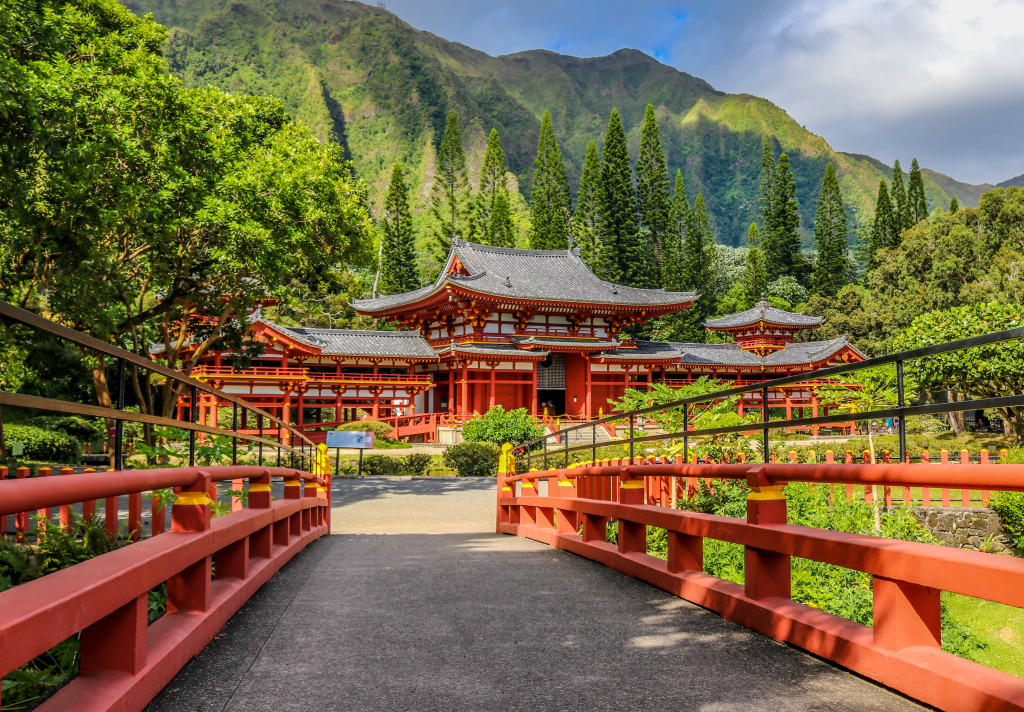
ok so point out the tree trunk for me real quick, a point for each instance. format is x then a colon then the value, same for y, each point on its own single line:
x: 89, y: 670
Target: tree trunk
x: 102, y: 388
x: 956, y: 420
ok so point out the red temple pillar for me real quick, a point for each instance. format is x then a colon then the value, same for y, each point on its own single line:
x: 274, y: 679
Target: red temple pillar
x: 533, y: 393
x: 286, y: 416
x: 587, y: 387
x: 814, y: 412
x: 493, y: 388
x: 300, y: 415
x: 464, y: 394
x: 451, y: 390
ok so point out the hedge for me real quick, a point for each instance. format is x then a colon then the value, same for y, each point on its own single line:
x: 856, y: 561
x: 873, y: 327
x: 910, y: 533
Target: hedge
x: 45, y: 445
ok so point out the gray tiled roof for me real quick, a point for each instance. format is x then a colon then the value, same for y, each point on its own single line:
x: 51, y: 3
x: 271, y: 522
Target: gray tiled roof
x: 489, y: 350
x: 807, y: 352
x: 763, y: 311
x: 350, y: 342
x: 566, y: 341
x: 556, y: 275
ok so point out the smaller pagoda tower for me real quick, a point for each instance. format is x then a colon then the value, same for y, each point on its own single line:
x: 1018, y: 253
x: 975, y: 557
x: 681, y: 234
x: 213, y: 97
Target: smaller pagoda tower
x: 763, y: 329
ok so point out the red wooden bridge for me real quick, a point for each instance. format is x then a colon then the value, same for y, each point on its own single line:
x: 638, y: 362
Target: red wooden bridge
x: 472, y: 620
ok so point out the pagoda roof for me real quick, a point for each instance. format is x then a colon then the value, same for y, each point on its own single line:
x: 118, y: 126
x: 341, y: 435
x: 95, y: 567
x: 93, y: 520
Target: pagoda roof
x: 764, y: 312
x: 728, y: 355
x: 352, y: 342
x: 527, y: 275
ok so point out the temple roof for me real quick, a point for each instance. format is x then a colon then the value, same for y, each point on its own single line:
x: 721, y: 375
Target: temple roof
x: 548, y: 275
x: 763, y: 311
x: 350, y: 342
x: 565, y: 342
x: 806, y: 352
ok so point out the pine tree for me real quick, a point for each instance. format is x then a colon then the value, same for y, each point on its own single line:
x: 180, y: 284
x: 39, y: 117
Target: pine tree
x: 755, y: 276
x: 885, y: 232
x: 617, y: 206
x: 901, y: 209
x: 653, y: 210
x: 954, y: 205
x: 586, y: 222
x: 915, y: 194
x: 781, y: 242
x: 698, y: 272
x: 766, y: 189
x: 448, y: 203
x: 831, y: 270
x: 550, y: 204
x: 398, y: 254
x: 679, y: 225
x: 491, y: 227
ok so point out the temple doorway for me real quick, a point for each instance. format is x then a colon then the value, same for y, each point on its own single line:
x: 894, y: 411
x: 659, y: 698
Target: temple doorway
x: 551, y: 385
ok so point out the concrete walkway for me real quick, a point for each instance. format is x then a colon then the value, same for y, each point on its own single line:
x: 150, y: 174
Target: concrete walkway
x: 414, y: 604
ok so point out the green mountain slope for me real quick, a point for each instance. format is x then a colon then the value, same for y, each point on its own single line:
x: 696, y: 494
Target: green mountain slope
x: 360, y: 76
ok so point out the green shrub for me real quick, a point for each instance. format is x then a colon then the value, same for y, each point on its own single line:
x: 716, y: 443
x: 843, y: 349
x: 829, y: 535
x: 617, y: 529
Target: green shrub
x: 1010, y: 508
x: 382, y: 466
x: 381, y: 430
x: 73, y: 425
x: 417, y: 463
x: 46, y: 445
x: 500, y: 426
x: 473, y: 459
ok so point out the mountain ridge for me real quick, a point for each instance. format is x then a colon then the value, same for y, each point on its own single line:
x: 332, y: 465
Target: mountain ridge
x: 363, y: 77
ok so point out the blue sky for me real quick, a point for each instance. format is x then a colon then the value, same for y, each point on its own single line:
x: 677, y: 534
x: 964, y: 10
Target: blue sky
x: 942, y: 80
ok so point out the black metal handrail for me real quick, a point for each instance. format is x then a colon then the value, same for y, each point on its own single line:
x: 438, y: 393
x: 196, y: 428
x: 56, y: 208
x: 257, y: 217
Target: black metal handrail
x: 766, y: 425
x: 117, y: 413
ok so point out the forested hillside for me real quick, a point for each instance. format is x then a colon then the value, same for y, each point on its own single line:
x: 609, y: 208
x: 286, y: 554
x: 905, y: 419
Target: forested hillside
x: 360, y: 76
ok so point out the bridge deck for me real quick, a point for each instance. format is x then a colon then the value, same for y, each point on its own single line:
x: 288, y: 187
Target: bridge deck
x: 397, y: 612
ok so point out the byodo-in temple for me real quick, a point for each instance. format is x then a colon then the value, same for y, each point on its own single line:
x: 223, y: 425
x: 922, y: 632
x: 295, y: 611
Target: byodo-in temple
x: 519, y: 328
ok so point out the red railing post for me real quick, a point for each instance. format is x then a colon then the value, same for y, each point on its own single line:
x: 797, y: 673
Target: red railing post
x: 117, y: 642
x: 566, y: 520
x: 88, y: 508
x: 189, y: 590
x: 45, y: 514
x: 293, y: 490
x: 766, y: 573
x: 632, y: 535
x: 65, y: 509
x: 905, y: 614
x: 261, y: 541
x: 506, y: 467
x: 21, y: 523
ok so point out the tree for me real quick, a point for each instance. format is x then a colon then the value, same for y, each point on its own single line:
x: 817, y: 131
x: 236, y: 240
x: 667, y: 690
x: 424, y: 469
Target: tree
x: 982, y: 372
x: 901, y: 209
x: 617, y: 207
x: 755, y: 276
x: 550, y: 202
x: 917, y: 205
x: 885, y: 231
x: 698, y: 272
x: 448, y: 202
x: 398, y: 252
x: 672, y: 249
x: 766, y: 188
x: 781, y: 242
x: 653, y: 209
x: 499, y: 426
x: 954, y: 205
x: 832, y: 267
x: 492, y: 219
x: 586, y: 222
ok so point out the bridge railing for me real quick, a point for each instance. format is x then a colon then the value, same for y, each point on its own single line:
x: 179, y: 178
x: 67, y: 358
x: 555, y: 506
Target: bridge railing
x: 210, y: 566
x: 902, y: 649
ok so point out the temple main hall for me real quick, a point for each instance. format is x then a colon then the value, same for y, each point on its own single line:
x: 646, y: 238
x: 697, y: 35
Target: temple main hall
x: 534, y: 329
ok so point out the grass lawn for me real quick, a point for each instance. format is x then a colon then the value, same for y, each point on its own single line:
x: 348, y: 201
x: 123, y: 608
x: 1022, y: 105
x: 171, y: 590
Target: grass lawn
x: 1001, y: 626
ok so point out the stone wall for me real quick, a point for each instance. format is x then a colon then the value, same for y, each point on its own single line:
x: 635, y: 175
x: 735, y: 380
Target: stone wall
x: 964, y: 527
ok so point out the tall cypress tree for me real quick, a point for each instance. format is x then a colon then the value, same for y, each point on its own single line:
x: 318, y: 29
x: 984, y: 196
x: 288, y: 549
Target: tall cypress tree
x: 916, y: 201
x: 782, y: 239
x: 492, y: 226
x: 901, y: 209
x: 679, y: 225
x: 653, y: 210
x: 550, y: 202
x: 448, y: 203
x: 831, y: 270
x: 954, y: 205
x: 398, y: 257
x: 586, y: 222
x: 885, y: 230
x: 766, y: 188
x: 617, y: 206
x: 698, y: 272
x: 755, y: 275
